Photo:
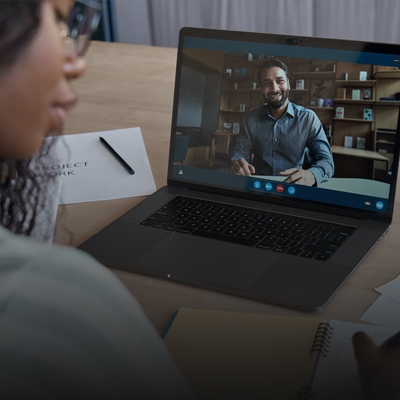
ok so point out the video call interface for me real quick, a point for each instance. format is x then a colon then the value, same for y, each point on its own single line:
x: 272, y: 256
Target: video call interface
x: 353, y: 95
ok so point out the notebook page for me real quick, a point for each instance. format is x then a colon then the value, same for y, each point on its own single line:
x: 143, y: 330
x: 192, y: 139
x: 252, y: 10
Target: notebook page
x: 336, y: 376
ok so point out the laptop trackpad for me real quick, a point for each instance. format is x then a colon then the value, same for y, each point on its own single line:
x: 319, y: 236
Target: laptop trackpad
x: 208, y: 261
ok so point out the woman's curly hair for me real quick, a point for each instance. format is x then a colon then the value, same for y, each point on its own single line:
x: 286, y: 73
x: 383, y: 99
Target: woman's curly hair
x: 22, y: 192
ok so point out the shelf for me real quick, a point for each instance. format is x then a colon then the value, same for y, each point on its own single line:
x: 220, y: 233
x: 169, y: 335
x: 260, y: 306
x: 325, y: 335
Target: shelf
x: 369, y: 83
x: 385, y: 132
x: 387, y: 75
x: 320, y: 108
x: 232, y: 112
x: 385, y: 142
x: 387, y: 103
x: 350, y: 101
x: 354, y: 120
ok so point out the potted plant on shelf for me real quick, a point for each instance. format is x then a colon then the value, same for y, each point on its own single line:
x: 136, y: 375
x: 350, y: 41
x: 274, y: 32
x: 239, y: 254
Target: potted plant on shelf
x: 319, y: 89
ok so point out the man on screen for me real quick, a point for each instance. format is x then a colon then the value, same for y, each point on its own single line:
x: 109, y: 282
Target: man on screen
x: 281, y: 138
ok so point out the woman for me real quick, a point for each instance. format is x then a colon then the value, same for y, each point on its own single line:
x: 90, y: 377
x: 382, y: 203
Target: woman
x: 68, y: 328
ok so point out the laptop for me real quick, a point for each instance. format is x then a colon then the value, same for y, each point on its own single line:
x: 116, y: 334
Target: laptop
x: 258, y: 236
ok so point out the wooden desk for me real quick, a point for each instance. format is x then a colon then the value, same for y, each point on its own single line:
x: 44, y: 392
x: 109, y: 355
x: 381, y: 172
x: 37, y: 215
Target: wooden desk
x: 361, y: 153
x: 127, y: 86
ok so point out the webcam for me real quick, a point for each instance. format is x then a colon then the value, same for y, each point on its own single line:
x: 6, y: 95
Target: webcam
x: 292, y: 40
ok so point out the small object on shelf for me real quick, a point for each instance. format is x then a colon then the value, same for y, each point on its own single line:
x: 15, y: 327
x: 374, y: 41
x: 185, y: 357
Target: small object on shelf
x: 244, y: 71
x: 236, y: 127
x: 339, y: 112
x: 300, y: 84
x: 298, y: 100
x: 368, y: 114
x: 238, y: 72
x: 242, y: 107
x: 228, y: 72
x: 261, y: 56
x: 328, y: 129
x: 328, y: 103
x: 317, y: 68
x: 312, y: 103
x: 341, y: 93
x: 348, y: 141
x: 249, y: 57
x: 234, y: 85
x: 344, y: 76
x: 227, y: 126
x: 363, y: 75
x: 356, y: 94
x: 254, y: 85
x: 361, y: 143
x: 367, y: 94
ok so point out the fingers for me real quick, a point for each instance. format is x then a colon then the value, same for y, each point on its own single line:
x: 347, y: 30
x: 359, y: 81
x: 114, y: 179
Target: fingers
x: 289, y: 171
x: 298, y: 176
x: 241, y: 167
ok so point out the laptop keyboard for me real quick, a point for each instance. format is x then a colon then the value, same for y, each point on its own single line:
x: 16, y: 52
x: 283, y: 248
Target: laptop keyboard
x: 256, y: 228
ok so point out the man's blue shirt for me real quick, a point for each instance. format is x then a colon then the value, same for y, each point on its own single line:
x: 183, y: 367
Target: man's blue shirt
x: 272, y: 146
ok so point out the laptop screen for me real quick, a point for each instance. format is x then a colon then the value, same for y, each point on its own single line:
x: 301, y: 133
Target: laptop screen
x: 290, y: 120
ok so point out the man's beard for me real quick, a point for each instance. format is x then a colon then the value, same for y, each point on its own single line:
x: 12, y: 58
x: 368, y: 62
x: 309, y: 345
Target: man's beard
x: 280, y: 103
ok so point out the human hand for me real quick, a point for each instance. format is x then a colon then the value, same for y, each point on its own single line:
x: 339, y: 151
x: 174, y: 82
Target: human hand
x: 242, y: 167
x: 298, y: 176
x: 379, y: 369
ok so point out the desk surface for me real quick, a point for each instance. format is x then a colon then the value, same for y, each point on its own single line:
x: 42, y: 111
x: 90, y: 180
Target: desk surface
x: 130, y: 85
x: 347, y: 151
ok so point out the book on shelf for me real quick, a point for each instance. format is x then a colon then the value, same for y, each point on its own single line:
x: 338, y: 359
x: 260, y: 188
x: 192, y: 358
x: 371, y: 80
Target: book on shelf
x: 341, y: 93
x: 231, y: 355
x: 356, y: 94
x: 339, y: 112
x: 348, y: 141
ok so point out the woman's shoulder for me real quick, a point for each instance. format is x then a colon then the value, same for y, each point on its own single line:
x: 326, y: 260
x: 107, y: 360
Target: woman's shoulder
x: 24, y: 256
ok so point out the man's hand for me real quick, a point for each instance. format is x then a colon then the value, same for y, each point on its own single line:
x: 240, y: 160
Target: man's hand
x: 242, y: 167
x: 379, y: 369
x: 298, y: 176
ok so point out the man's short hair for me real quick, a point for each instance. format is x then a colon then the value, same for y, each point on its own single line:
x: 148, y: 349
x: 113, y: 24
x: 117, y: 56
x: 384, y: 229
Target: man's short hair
x: 270, y: 63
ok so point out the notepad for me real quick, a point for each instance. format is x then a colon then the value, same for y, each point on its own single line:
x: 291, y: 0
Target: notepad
x: 257, y: 356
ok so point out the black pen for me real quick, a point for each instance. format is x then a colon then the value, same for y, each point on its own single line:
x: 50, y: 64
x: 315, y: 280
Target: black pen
x: 393, y: 341
x: 117, y: 156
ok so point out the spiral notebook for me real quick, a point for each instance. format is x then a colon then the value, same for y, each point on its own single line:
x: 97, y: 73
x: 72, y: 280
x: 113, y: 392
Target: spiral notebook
x: 240, y: 355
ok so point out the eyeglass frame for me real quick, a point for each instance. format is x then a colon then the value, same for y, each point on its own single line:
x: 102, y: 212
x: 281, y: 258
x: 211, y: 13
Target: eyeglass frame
x: 72, y: 34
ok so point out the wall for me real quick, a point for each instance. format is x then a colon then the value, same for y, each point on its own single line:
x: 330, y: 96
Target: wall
x: 157, y: 22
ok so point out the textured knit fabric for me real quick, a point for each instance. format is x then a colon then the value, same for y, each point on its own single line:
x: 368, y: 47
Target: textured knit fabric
x: 70, y: 330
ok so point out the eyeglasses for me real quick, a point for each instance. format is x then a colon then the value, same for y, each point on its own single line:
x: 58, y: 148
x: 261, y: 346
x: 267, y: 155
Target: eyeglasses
x: 82, y: 23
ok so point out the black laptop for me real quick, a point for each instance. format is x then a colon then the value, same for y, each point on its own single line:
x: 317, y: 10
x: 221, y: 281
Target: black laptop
x: 258, y: 236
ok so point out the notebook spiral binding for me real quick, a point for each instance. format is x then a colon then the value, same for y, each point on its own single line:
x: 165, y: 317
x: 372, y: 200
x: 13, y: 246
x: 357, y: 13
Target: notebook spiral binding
x: 322, y: 339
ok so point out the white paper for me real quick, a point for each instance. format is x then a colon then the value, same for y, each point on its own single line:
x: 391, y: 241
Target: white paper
x: 384, y: 311
x: 337, y: 376
x: 391, y: 289
x: 89, y: 172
